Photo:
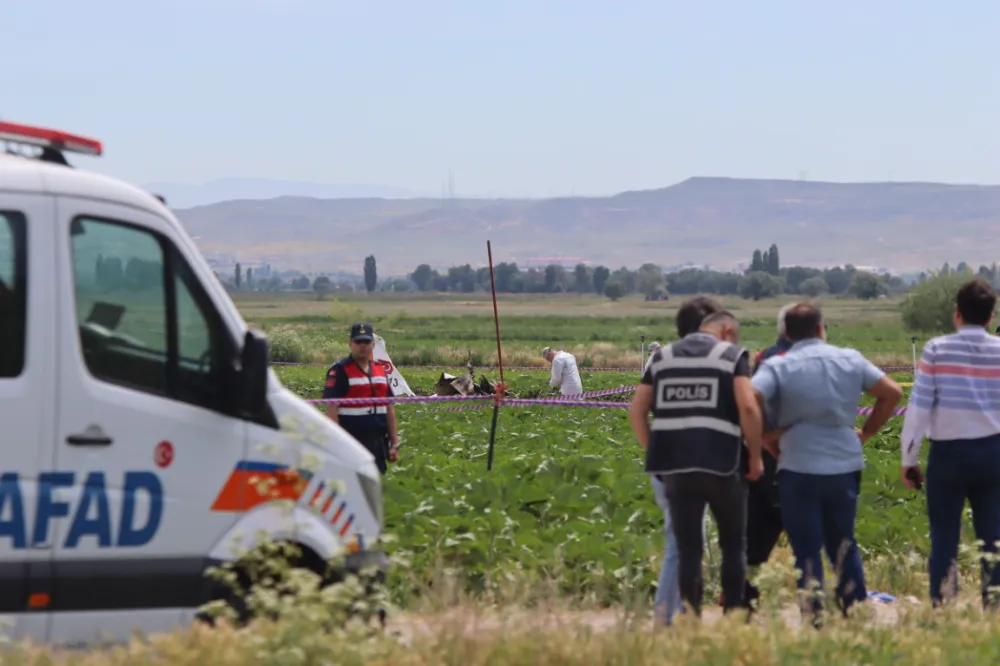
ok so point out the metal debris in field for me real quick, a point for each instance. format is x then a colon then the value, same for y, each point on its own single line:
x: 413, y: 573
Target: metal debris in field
x: 465, y: 385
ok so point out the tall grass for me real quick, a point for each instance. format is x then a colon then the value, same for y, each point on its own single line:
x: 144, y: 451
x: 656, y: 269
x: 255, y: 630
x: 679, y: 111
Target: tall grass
x: 523, y: 623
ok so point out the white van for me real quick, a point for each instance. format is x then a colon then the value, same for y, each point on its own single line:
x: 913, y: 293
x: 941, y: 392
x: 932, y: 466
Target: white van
x: 141, y: 416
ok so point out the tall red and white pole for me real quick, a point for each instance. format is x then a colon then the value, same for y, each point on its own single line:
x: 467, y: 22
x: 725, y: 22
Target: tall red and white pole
x: 502, y: 388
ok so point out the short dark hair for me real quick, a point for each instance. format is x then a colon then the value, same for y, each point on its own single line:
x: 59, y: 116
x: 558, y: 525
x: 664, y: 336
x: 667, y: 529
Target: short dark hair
x: 692, y: 312
x: 802, y: 322
x: 720, y: 317
x: 976, y: 301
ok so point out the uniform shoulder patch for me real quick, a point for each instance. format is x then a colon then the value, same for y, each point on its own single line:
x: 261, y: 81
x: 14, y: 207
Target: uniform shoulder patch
x: 331, y: 376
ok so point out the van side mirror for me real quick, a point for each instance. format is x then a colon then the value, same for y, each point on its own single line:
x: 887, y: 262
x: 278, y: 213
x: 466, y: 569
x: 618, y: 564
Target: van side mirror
x: 253, y: 373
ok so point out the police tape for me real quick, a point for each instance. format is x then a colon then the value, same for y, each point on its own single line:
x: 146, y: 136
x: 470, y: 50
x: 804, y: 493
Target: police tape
x: 579, y: 400
x: 522, y: 368
x: 367, y: 402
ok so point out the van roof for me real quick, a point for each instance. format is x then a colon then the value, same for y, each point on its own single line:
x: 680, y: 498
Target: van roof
x: 27, y: 174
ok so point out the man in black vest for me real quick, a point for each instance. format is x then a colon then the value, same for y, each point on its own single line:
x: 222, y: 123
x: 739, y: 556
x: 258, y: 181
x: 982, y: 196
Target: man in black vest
x: 698, y: 390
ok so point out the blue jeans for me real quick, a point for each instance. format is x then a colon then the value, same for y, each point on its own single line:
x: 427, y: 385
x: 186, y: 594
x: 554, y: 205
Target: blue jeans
x: 958, y: 470
x: 667, y: 601
x: 819, y: 512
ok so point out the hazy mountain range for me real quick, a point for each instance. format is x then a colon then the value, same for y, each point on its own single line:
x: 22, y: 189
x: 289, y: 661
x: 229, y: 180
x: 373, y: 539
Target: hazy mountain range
x: 718, y: 221
x: 183, y: 195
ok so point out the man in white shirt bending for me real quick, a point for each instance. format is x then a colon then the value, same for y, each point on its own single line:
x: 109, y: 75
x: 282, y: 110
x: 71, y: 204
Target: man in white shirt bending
x: 565, y: 375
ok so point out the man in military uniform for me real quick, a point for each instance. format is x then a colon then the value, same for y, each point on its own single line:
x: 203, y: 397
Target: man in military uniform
x: 698, y: 390
x: 358, y: 376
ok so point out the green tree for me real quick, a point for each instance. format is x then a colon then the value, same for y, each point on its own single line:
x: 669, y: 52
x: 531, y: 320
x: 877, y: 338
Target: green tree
x: 930, y: 305
x: 796, y: 275
x: 756, y: 285
x: 650, y: 280
x: 238, y: 279
x: 813, y: 287
x: 867, y: 286
x: 757, y: 263
x: 462, y: 278
x: 555, y: 278
x: 773, y: 264
x: 582, y: 275
x: 423, y: 277
x: 505, y: 276
x: 614, y: 290
x: 371, y: 273
x: 838, y: 280
x: 601, y: 275
x: 322, y: 285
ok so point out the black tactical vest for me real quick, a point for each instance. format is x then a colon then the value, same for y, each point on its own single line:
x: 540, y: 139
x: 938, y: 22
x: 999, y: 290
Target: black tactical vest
x: 696, y: 423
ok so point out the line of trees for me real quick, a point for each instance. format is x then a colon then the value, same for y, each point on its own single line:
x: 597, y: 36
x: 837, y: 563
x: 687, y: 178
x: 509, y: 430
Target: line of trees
x: 764, y: 277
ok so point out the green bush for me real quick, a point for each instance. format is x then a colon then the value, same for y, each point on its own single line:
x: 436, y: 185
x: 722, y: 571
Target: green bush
x: 286, y: 346
x: 929, y: 307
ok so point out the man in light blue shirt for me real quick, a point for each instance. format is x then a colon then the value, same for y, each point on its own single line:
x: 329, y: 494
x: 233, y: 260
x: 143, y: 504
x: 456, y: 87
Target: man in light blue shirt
x: 813, y: 392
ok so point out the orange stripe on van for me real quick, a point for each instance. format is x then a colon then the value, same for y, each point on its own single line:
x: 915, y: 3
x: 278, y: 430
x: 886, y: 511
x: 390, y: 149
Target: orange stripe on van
x: 253, y: 483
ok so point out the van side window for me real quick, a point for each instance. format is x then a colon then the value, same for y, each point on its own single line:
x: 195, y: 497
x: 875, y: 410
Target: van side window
x: 143, y: 319
x: 13, y: 293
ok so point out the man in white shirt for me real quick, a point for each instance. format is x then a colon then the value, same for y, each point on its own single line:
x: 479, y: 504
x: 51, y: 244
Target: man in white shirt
x: 565, y: 375
x: 653, y: 347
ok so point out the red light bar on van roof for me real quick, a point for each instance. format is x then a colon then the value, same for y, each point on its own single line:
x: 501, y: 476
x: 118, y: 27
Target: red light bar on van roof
x: 49, y: 138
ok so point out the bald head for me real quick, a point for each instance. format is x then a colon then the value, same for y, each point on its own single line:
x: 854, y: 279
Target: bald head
x: 804, y: 321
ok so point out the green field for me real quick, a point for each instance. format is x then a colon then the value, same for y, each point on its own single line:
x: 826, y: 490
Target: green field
x: 565, y: 525
x: 443, y: 330
x: 567, y: 497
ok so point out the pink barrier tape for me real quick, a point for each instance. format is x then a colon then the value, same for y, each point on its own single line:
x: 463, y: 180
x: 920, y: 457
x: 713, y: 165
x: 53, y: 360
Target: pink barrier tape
x: 884, y: 368
x: 464, y: 408
x: 364, y: 402
x: 579, y: 400
x: 367, y: 402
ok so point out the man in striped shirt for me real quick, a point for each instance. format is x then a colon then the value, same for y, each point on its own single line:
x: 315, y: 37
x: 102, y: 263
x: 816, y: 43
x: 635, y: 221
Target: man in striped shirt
x: 956, y: 403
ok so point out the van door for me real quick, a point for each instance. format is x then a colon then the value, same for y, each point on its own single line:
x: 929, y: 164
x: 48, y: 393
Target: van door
x: 27, y: 379
x: 143, y: 435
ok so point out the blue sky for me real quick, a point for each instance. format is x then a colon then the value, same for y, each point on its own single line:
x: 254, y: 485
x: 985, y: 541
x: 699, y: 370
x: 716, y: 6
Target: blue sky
x: 517, y: 98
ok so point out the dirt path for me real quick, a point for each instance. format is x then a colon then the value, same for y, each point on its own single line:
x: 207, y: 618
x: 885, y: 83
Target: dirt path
x: 406, y: 626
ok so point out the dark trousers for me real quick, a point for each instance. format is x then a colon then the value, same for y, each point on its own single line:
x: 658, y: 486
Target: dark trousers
x: 726, y: 497
x: 960, y: 470
x: 764, y: 524
x: 376, y: 441
x: 819, y: 511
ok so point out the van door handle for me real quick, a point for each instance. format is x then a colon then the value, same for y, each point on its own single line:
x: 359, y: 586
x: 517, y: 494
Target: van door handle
x: 92, y: 436
x: 86, y: 440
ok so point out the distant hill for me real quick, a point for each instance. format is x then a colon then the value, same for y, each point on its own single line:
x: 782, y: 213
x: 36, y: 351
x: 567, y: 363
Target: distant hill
x: 183, y: 195
x: 906, y: 226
